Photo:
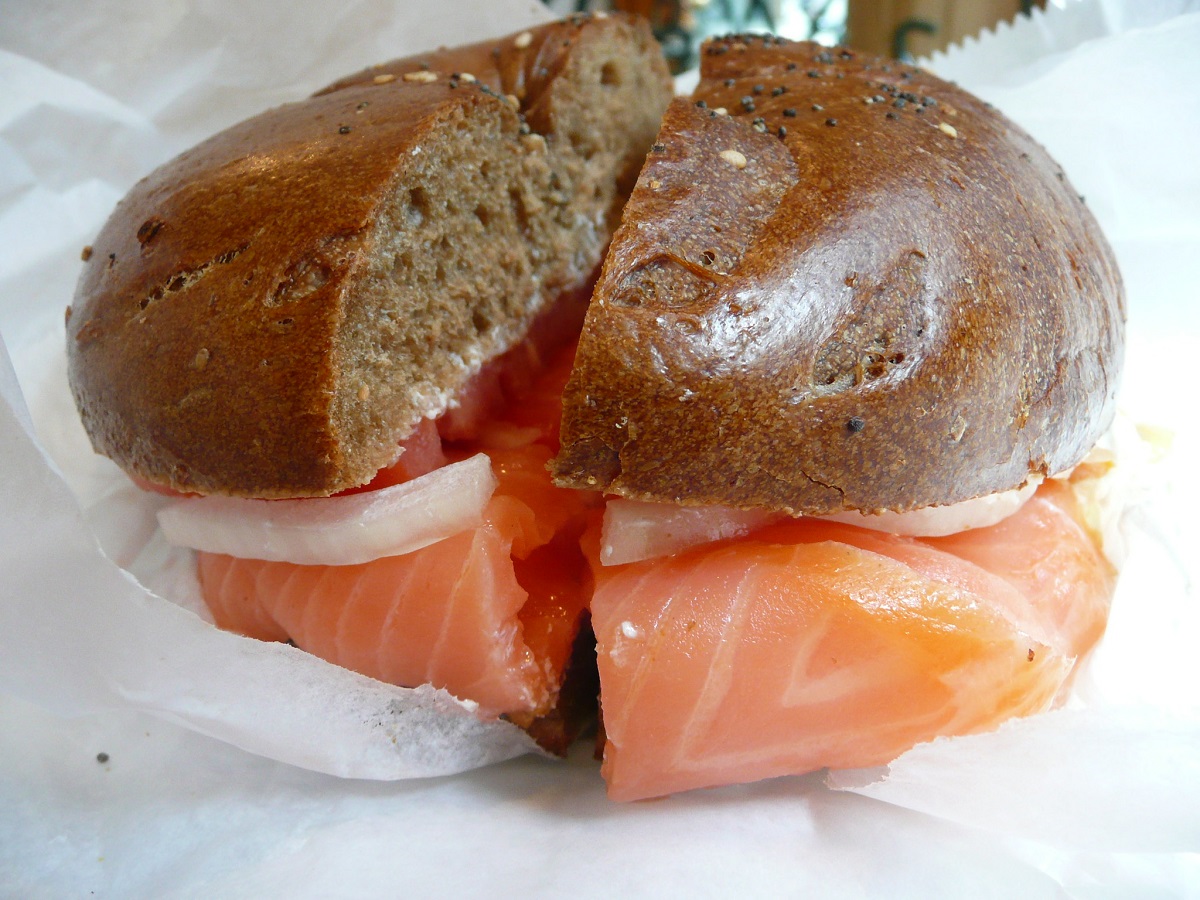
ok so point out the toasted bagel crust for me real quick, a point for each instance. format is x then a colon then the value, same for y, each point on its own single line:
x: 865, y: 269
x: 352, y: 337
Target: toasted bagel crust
x: 268, y: 314
x: 841, y: 283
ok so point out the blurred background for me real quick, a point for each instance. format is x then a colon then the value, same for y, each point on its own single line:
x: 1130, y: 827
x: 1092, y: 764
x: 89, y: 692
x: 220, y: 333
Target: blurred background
x: 901, y: 28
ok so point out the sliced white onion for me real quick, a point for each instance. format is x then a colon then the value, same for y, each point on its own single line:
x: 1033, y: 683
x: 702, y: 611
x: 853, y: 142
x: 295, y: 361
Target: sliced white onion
x: 634, y: 530
x: 939, y: 521
x: 337, y: 531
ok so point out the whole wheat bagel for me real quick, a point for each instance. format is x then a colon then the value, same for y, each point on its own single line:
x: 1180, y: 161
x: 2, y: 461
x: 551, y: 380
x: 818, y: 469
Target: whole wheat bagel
x: 268, y: 314
x: 841, y: 283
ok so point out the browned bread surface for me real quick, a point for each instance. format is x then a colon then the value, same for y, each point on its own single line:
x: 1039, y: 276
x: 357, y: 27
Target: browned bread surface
x: 271, y: 312
x: 841, y: 283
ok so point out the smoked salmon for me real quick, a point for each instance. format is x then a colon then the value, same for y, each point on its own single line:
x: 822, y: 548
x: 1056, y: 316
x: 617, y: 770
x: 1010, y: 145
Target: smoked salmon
x: 812, y: 644
x: 808, y: 643
x: 490, y: 614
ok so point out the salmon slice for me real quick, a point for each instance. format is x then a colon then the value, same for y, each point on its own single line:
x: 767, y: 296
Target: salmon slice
x: 457, y: 614
x: 813, y: 644
x: 490, y: 614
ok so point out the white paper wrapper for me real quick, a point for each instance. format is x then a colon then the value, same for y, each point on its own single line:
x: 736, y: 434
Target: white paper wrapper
x: 1104, y: 793
x: 80, y: 634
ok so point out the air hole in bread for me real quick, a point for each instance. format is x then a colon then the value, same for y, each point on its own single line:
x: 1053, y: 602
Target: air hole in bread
x: 520, y: 211
x: 418, y: 206
x: 611, y: 75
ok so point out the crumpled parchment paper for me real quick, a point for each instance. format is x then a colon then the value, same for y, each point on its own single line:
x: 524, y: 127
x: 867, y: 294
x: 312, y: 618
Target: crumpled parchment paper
x: 96, y: 96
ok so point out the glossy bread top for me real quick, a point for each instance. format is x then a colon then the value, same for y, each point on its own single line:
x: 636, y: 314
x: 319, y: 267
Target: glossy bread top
x: 842, y: 283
